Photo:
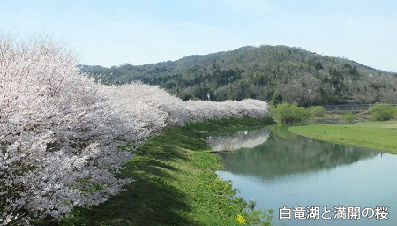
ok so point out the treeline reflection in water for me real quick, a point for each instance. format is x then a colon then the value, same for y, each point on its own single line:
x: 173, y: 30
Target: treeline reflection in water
x: 262, y: 153
x: 239, y: 140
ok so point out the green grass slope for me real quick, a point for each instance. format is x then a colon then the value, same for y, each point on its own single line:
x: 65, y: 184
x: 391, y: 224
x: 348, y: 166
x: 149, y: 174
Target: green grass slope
x: 175, y: 183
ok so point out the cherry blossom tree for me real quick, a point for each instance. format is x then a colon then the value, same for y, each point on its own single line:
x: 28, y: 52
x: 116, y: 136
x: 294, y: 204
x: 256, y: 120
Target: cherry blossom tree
x: 58, y: 134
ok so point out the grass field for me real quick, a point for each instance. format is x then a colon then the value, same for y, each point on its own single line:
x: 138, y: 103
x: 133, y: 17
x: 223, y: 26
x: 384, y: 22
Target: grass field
x: 175, y: 183
x: 376, y: 135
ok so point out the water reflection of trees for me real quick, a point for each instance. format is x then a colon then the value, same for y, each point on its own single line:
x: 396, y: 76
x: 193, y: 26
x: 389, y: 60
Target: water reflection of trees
x: 278, y: 156
x: 243, y: 139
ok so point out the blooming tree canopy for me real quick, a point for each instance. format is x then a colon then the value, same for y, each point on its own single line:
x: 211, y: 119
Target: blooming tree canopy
x: 60, y: 131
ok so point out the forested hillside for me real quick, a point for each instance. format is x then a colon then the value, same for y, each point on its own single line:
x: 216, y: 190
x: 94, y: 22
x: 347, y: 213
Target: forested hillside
x: 271, y: 73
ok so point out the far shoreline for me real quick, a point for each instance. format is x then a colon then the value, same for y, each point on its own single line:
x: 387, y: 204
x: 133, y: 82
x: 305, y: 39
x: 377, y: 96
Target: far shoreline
x: 380, y: 136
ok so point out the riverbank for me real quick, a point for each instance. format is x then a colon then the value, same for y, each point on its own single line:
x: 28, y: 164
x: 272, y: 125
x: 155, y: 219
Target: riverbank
x: 376, y: 135
x: 175, y: 182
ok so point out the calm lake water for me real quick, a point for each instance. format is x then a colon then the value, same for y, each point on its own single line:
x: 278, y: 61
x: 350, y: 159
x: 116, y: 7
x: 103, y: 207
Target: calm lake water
x: 279, y: 169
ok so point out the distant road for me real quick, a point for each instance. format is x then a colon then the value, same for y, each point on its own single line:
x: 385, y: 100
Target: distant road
x: 341, y: 107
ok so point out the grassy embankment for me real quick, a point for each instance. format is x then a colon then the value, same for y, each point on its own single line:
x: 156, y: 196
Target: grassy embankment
x: 377, y: 135
x: 175, y: 182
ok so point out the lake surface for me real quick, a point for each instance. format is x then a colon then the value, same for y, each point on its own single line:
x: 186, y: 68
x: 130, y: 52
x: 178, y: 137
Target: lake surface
x: 280, y: 169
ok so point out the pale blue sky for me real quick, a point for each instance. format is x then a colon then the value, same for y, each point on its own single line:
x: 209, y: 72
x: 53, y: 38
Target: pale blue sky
x: 150, y: 31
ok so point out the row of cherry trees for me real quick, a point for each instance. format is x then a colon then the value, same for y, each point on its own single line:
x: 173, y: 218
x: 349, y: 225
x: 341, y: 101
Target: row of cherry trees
x: 60, y: 131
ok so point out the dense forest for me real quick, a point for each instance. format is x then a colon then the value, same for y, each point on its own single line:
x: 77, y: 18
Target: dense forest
x: 270, y: 73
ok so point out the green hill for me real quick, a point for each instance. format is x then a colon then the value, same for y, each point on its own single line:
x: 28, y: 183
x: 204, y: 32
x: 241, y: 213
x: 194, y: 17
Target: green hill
x: 271, y: 73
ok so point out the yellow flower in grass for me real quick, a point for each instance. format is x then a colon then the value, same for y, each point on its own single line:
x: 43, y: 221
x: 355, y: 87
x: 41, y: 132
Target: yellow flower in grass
x: 240, y: 219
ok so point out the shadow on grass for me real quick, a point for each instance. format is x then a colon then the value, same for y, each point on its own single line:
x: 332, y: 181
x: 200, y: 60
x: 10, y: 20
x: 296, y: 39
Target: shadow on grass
x: 146, y: 202
x: 152, y: 199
